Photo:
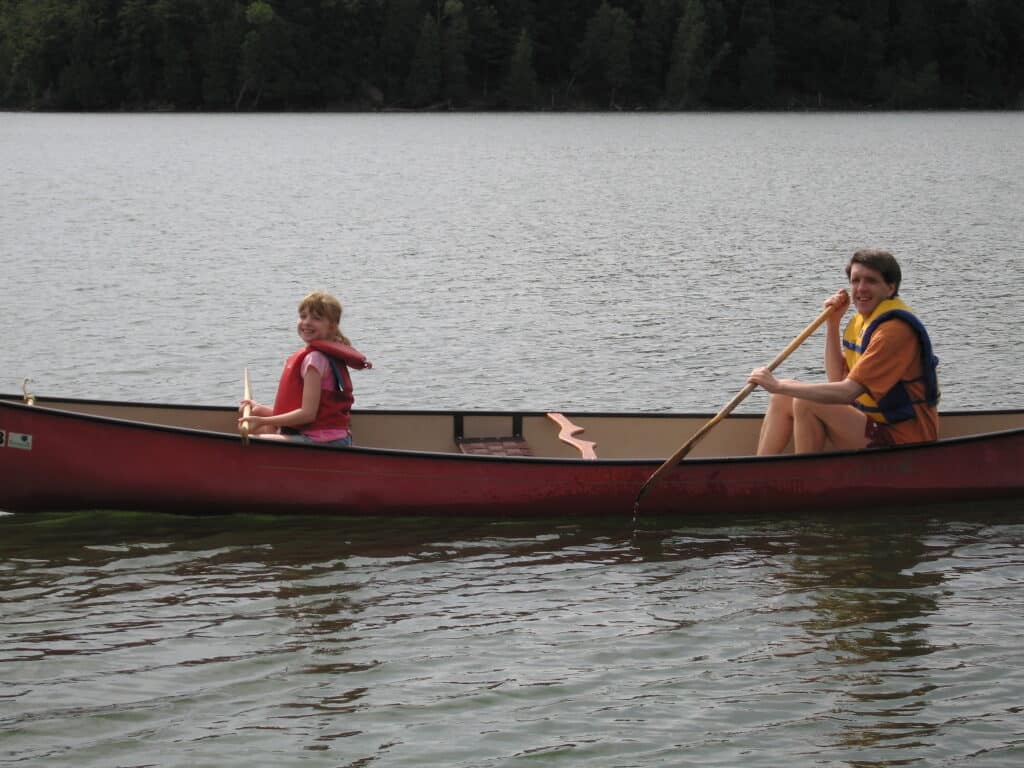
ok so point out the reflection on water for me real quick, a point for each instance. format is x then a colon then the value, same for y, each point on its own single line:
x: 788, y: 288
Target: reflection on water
x: 870, y: 619
x: 885, y: 640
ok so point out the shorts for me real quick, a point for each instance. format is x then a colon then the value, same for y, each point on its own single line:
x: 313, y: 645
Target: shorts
x: 298, y: 437
x: 877, y: 434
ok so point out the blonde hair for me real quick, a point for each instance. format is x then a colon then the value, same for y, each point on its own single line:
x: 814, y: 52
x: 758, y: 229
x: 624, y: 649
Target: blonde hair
x: 329, y: 308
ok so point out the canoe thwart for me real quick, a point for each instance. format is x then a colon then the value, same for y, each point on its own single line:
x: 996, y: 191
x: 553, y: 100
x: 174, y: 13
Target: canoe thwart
x: 494, y: 446
x: 567, y: 435
x: 490, y: 434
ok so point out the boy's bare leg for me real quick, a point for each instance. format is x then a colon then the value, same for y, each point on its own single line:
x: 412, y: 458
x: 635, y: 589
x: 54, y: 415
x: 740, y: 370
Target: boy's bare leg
x: 813, y: 423
x: 777, y: 427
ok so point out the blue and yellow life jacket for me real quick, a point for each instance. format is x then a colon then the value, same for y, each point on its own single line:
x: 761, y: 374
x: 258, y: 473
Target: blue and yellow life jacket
x: 896, y: 405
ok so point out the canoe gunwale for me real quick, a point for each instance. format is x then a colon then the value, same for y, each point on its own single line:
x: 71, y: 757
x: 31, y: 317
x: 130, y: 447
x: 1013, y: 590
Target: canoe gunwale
x: 15, y: 402
x: 41, y: 400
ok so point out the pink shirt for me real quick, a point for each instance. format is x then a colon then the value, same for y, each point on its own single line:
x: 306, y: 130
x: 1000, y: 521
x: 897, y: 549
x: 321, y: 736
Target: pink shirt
x: 327, y: 382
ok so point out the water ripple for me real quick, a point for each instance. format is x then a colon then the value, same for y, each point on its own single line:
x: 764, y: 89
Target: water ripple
x: 639, y: 262
x: 824, y: 640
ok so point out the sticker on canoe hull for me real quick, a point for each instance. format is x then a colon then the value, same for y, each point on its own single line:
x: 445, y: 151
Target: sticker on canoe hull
x: 3, y: 438
x: 19, y: 440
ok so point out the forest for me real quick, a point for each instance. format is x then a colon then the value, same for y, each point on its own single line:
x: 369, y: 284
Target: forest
x: 314, y: 55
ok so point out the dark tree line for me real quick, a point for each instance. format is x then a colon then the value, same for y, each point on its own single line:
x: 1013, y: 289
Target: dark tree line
x: 518, y: 54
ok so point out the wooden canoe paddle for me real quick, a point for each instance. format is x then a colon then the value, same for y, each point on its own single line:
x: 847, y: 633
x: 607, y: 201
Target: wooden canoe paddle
x: 679, y: 455
x: 246, y: 409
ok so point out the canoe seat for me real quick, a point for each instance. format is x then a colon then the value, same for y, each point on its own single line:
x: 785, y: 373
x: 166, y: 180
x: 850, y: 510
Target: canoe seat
x: 494, y: 446
x: 567, y: 435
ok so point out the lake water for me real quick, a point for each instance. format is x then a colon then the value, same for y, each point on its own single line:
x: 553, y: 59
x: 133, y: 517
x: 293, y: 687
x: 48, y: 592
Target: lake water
x: 578, y: 262
x: 134, y: 639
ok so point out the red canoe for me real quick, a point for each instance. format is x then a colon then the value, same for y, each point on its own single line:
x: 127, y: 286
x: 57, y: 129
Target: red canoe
x: 79, y: 454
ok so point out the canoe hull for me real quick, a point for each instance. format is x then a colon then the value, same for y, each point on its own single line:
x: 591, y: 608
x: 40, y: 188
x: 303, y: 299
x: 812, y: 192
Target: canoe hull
x: 88, y: 462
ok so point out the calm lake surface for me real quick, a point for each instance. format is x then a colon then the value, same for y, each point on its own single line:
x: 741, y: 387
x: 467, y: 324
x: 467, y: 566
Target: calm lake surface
x: 577, y: 262
x: 587, y: 262
x: 874, y: 640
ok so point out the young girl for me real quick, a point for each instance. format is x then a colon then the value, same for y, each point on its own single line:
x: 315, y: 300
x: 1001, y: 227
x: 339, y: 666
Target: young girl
x: 314, y: 398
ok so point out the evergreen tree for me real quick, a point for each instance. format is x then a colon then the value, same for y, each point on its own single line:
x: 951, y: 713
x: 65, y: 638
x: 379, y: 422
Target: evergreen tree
x: 914, y: 88
x: 722, y: 77
x: 87, y: 80
x: 604, y: 63
x: 401, y: 30
x: 7, y: 53
x: 37, y: 37
x: 261, y: 49
x: 801, y: 60
x: 488, y: 49
x: 180, y: 30
x: 757, y: 74
x: 756, y: 22
x: 652, y: 48
x: 454, y: 44
x: 557, y: 33
x: 298, y: 54
x: 757, y: 63
x: 864, y: 49
x: 221, y: 55
x: 137, y: 38
x: 522, y: 79
x: 423, y: 87
x: 688, y: 76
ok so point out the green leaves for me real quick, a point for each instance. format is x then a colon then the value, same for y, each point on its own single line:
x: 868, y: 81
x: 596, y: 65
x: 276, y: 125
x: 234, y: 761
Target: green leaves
x: 677, y: 54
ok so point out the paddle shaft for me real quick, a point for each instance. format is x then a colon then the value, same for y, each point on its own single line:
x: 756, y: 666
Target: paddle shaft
x: 246, y: 409
x: 678, y: 456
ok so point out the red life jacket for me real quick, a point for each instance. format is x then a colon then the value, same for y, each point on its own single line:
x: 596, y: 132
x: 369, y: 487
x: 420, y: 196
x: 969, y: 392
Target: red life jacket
x: 335, y: 404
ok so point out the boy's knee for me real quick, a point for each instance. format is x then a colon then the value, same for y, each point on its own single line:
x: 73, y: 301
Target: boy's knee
x: 802, y: 408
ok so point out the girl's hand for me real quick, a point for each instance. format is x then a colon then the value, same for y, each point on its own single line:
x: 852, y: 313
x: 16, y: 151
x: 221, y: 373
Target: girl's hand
x: 253, y: 422
x: 257, y: 409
